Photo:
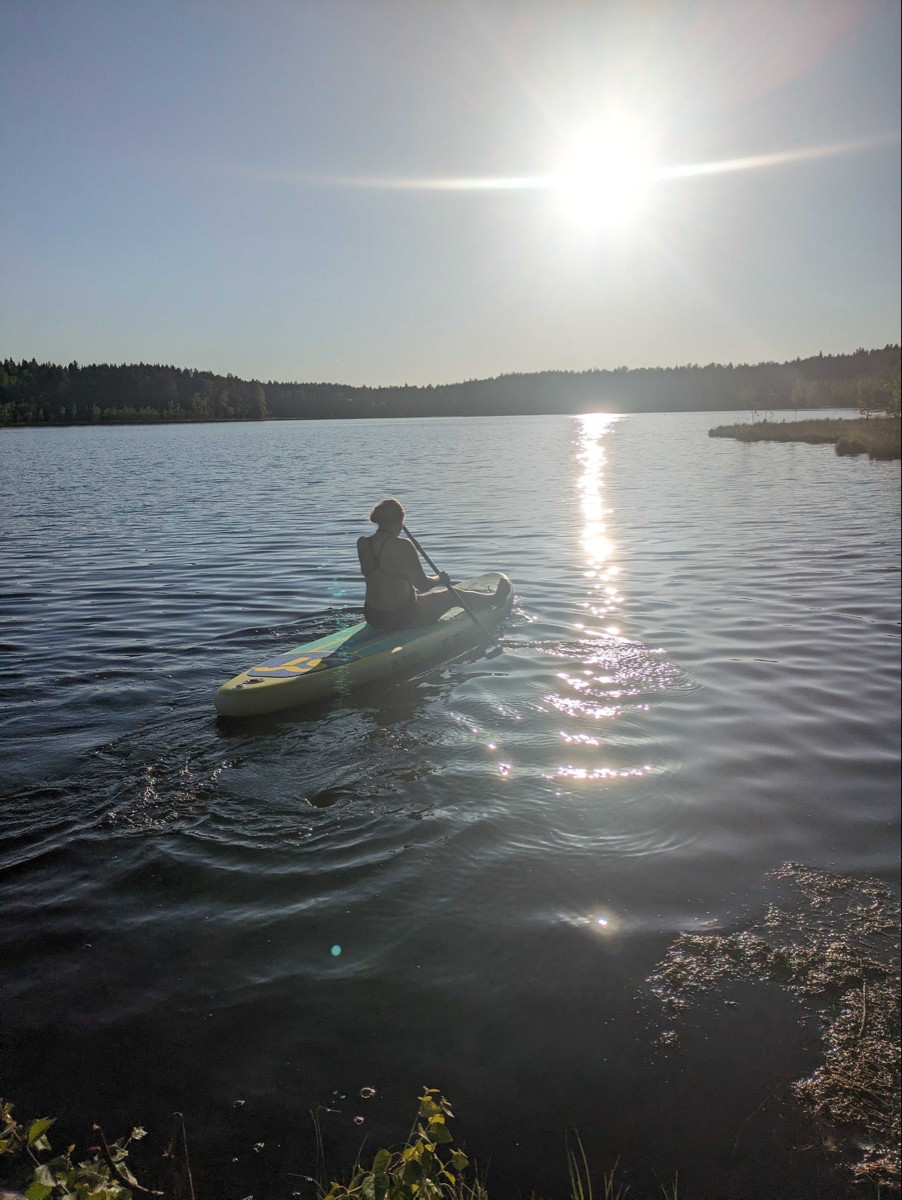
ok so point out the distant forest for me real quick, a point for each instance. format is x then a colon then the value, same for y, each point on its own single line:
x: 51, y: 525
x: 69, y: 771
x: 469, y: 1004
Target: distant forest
x: 33, y: 393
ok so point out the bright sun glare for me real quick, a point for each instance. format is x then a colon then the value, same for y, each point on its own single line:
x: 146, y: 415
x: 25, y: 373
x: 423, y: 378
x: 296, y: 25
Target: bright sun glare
x: 604, y: 178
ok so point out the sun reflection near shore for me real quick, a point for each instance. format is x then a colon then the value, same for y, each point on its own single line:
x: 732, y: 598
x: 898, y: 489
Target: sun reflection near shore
x: 603, y: 921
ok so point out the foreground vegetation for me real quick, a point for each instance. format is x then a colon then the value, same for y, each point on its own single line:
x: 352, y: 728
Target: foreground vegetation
x: 878, y: 437
x: 427, y: 1167
x: 103, y: 1174
x: 33, y: 393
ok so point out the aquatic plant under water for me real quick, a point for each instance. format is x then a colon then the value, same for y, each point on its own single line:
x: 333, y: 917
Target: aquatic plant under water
x: 835, y: 945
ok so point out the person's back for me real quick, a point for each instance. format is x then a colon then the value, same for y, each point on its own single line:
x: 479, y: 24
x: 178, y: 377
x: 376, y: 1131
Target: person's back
x: 386, y: 570
x: 392, y: 571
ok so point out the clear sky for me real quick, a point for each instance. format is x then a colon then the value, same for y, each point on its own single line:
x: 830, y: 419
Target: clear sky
x: 426, y: 191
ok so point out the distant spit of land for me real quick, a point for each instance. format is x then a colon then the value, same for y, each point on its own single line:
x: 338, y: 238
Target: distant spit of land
x: 33, y: 393
x: 877, y: 437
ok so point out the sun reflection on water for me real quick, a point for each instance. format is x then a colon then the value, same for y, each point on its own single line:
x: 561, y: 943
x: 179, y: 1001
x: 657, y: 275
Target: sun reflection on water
x: 585, y: 773
x: 583, y: 733
x: 594, y: 538
x: 604, y: 673
x: 603, y: 922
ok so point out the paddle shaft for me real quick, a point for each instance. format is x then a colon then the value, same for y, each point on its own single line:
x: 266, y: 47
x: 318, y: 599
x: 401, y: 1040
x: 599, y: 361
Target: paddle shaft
x: 454, y: 592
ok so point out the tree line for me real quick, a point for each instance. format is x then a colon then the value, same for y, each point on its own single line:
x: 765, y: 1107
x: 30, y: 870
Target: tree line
x: 33, y: 393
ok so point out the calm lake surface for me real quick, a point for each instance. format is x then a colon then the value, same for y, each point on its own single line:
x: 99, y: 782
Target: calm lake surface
x: 463, y: 880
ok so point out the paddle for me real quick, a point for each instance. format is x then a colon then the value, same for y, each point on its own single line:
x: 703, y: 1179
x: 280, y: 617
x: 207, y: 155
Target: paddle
x: 458, y: 596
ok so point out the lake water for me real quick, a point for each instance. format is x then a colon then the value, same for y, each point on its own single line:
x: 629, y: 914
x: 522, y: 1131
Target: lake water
x: 462, y: 880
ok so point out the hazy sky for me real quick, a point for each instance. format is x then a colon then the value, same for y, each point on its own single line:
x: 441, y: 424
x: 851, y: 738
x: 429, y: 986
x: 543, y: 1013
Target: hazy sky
x: 424, y: 191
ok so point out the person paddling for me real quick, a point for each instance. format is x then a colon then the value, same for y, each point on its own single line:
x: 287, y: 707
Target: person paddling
x: 399, y: 593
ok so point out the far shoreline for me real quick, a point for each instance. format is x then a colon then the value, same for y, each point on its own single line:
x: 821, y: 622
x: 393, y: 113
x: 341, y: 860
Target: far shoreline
x: 341, y: 419
x: 38, y: 394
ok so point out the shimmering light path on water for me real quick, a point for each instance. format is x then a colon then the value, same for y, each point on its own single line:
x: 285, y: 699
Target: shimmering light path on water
x: 462, y: 880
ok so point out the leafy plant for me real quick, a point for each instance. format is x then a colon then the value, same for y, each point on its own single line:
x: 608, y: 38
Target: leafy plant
x: 103, y: 1176
x: 426, y: 1168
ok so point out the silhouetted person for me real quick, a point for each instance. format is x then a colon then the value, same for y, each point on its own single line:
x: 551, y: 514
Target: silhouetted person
x: 399, y: 593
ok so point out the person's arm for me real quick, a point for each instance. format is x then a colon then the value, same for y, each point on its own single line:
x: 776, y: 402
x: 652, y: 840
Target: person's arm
x: 413, y: 569
x: 364, y: 555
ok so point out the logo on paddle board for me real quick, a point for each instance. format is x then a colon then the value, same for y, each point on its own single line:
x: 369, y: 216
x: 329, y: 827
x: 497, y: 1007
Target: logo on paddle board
x: 302, y: 664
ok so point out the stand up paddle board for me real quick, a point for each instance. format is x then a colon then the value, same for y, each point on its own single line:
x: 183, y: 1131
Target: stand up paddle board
x: 359, y: 654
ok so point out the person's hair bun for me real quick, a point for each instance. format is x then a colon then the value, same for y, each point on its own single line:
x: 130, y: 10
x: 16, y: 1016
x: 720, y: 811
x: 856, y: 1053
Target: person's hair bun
x: 386, y: 511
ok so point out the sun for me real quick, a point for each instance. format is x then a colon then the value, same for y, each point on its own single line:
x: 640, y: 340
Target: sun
x: 604, y: 176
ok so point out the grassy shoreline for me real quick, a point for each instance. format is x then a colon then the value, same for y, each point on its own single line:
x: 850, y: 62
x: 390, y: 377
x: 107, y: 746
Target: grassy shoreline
x: 878, y: 437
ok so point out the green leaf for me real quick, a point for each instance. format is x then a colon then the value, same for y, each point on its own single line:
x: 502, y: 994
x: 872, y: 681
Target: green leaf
x: 36, y: 1128
x: 126, y: 1174
x: 411, y: 1173
x: 381, y: 1162
x: 38, y: 1191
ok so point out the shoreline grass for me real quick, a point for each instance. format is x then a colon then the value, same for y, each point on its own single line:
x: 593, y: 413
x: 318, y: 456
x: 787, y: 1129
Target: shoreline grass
x: 878, y: 437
